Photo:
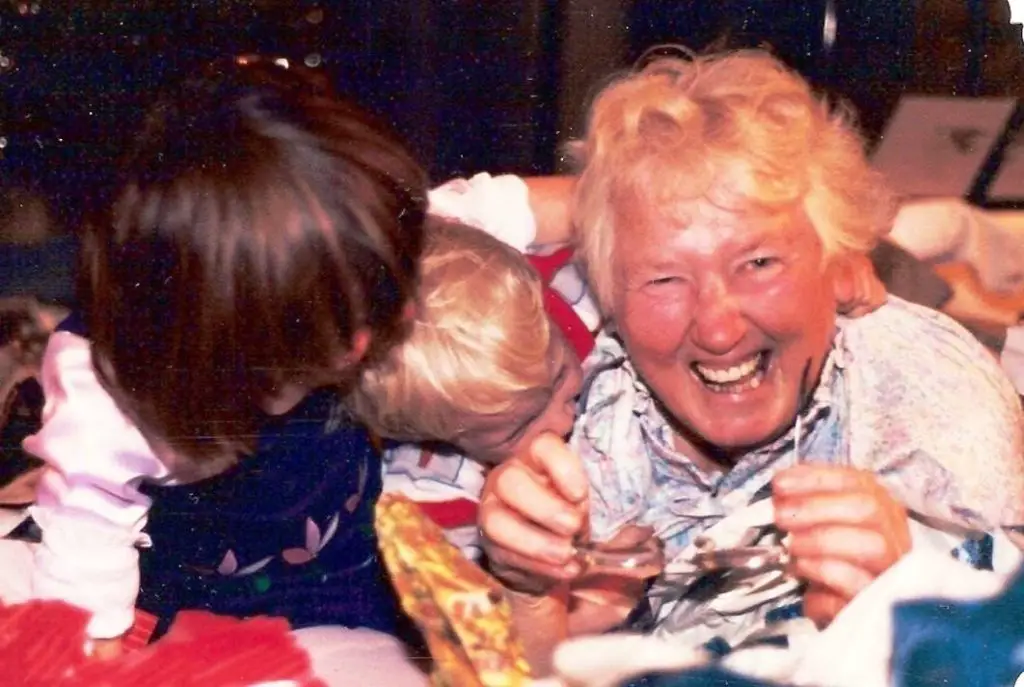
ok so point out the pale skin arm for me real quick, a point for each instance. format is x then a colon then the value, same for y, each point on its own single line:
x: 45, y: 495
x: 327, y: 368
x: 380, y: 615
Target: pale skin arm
x: 551, y: 599
x: 845, y: 530
x: 554, y: 491
x: 550, y: 202
x: 567, y: 611
x: 107, y: 649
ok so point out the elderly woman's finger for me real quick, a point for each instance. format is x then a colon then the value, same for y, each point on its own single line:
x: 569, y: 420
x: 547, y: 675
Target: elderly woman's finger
x: 526, y: 575
x: 822, y: 605
x: 551, y: 457
x: 522, y: 491
x: 809, y: 478
x: 842, y: 577
x: 506, y: 530
x: 868, y: 549
x: 828, y: 508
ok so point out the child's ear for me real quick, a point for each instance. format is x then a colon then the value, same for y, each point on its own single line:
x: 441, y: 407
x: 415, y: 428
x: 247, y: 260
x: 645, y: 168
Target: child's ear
x: 409, y: 311
x: 360, y: 345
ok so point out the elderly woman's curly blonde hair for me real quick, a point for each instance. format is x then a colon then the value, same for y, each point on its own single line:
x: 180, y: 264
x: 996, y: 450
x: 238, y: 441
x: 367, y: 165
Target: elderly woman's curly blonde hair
x: 671, y: 131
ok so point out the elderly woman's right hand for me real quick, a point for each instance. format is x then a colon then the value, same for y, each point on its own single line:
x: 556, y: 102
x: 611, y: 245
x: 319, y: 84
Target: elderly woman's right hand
x: 531, y: 509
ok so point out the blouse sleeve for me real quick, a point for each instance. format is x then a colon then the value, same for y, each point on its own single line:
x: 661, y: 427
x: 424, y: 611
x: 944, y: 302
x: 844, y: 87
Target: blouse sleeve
x: 499, y: 205
x: 88, y: 506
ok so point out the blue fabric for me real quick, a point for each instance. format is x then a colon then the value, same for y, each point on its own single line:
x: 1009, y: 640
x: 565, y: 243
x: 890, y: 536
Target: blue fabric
x: 248, y: 542
x: 937, y: 643
x: 705, y: 677
x: 967, y: 644
x: 287, y: 531
x: 976, y: 552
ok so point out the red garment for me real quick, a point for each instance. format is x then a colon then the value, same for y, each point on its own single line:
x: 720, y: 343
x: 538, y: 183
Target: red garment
x: 560, y: 312
x: 42, y: 644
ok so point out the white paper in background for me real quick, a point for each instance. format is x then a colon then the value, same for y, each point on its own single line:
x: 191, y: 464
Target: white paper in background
x: 1008, y: 184
x: 1016, y: 11
x: 935, y: 146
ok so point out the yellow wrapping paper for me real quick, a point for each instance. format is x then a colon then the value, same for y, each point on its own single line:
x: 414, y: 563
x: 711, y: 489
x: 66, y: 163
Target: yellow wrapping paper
x: 461, y: 610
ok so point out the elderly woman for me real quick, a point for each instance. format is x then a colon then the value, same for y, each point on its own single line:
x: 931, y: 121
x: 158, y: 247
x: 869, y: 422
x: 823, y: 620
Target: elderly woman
x: 718, y: 202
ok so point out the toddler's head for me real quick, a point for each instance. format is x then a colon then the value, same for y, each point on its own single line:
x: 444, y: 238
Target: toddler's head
x: 263, y: 239
x: 483, y: 368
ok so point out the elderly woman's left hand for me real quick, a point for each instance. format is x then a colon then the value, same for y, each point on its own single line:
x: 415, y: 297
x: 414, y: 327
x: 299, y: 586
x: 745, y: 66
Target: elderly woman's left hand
x: 845, y: 530
x: 857, y: 287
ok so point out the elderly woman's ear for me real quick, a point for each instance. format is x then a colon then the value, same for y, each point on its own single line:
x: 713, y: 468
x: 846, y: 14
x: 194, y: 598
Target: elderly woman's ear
x: 858, y: 289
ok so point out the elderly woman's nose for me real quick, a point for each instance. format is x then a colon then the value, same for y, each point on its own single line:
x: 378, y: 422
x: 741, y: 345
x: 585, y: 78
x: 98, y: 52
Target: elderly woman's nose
x: 718, y: 322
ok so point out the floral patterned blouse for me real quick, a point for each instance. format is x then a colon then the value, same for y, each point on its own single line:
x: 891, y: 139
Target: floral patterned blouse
x: 905, y: 392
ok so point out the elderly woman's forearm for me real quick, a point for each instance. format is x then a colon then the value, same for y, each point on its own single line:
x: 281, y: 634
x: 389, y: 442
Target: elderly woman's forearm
x: 550, y: 202
x: 543, y: 622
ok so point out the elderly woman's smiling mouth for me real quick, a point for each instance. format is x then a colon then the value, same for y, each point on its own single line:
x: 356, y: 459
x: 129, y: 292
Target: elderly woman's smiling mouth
x: 733, y: 377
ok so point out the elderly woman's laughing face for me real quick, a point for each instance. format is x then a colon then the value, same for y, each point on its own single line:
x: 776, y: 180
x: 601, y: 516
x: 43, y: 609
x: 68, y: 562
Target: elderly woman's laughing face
x: 727, y: 311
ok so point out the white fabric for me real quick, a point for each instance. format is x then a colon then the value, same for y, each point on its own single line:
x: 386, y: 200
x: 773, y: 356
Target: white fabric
x: 854, y: 651
x: 345, y: 657
x: 426, y: 476
x: 951, y: 230
x: 499, y: 205
x: 15, y: 571
x: 1012, y: 357
x: 845, y: 655
x: 88, y: 504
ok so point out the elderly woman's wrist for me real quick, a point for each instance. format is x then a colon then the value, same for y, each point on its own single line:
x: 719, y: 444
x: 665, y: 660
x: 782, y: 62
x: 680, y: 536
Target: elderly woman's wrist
x: 543, y: 622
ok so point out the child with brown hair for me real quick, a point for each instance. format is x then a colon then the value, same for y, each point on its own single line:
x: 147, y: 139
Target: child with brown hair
x: 262, y: 243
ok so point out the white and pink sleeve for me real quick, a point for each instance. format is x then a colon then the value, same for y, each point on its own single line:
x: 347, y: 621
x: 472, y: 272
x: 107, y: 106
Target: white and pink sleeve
x: 499, y: 205
x: 89, y: 507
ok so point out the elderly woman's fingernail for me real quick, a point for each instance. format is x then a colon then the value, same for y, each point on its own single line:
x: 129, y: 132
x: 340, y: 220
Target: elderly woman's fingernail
x: 785, y: 514
x: 573, y: 569
x: 560, y: 554
x: 784, y: 482
x: 567, y: 522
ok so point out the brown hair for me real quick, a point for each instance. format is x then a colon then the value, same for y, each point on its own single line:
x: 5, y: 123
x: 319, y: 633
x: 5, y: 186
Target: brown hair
x: 259, y: 225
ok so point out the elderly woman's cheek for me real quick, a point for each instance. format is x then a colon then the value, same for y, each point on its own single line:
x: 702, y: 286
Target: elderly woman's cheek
x: 655, y: 326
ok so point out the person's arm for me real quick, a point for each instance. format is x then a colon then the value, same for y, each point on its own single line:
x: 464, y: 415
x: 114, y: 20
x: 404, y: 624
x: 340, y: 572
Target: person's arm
x: 551, y: 202
x: 88, y: 507
x: 525, y: 213
x: 843, y: 530
x: 858, y: 289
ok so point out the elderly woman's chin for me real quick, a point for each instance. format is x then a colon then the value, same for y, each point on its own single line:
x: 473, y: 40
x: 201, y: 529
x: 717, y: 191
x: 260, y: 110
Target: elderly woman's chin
x: 737, y: 408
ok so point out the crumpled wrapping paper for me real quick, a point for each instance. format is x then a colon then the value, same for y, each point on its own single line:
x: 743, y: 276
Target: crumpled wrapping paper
x: 462, y: 611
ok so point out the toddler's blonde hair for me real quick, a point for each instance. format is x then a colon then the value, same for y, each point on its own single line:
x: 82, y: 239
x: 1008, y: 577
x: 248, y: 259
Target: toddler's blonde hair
x: 477, y: 347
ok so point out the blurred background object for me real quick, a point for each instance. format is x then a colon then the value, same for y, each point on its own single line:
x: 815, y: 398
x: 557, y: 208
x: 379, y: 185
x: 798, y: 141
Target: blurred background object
x: 472, y: 85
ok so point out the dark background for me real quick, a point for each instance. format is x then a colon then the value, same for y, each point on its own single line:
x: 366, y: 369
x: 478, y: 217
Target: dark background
x: 491, y: 85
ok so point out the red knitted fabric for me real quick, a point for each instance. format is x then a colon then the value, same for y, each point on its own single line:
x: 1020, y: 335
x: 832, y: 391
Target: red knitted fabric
x: 42, y: 645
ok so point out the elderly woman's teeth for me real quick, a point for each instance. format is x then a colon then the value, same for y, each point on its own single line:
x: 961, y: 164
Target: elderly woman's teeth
x: 746, y: 374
